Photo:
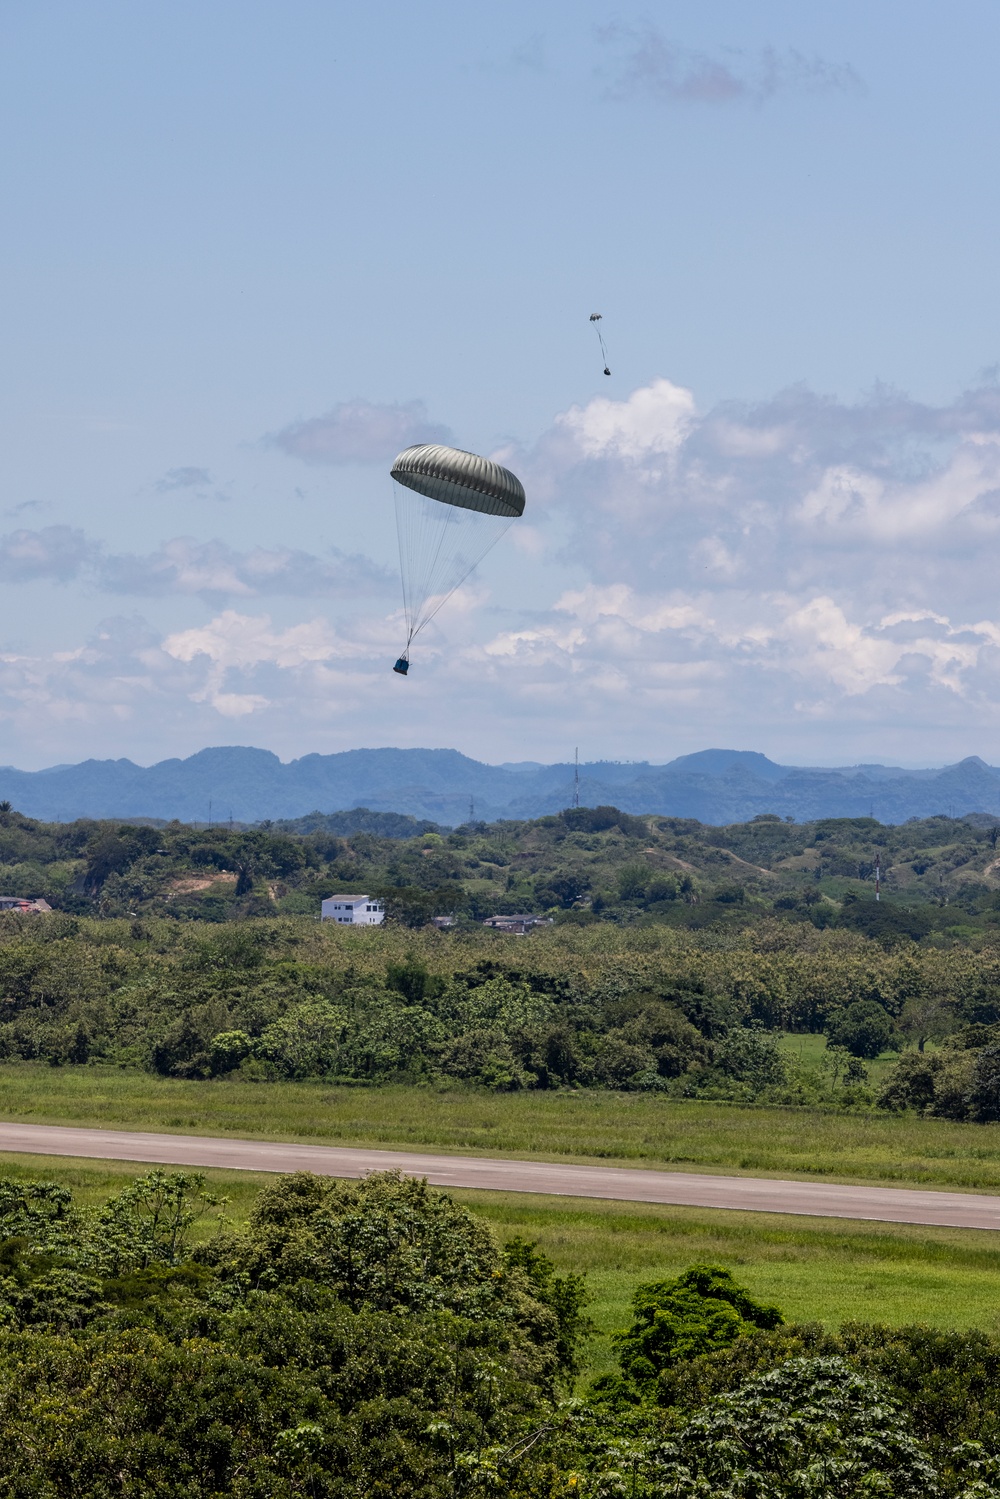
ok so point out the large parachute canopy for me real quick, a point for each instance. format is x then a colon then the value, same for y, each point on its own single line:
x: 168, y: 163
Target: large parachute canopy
x: 451, y: 508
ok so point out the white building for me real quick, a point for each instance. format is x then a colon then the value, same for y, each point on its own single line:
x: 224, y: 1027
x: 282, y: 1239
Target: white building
x: 354, y: 910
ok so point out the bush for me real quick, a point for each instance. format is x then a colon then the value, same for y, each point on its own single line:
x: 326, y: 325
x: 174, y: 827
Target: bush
x: 809, y: 1427
x: 751, y: 1057
x: 984, y: 1086
x: 703, y: 1309
x: 911, y: 1083
x: 864, y: 1029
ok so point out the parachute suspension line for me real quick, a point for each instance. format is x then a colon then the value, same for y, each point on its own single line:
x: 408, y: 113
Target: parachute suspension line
x: 595, y: 318
x: 439, y: 546
x: 406, y: 592
x: 493, y: 535
x: 417, y: 570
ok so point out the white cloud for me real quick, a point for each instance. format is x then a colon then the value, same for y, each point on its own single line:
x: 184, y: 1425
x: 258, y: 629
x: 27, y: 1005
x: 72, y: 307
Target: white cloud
x: 243, y: 640
x: 238, y: 643
x: 652, y: 421
x: 811, y: 576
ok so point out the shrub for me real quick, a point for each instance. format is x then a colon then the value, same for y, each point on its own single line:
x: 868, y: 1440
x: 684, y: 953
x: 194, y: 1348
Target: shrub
x: 701, y: 1310
x: 751, y: 1057
x: 864, y: 1029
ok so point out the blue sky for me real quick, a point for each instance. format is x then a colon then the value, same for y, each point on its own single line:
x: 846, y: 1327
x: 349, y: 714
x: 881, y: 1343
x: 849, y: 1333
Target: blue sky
x: 250, y: 248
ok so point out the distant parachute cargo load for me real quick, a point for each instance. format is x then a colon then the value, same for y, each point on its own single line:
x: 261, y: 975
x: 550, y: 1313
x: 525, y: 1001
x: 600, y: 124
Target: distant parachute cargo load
x: 452, y: 507
x: 595, y: 318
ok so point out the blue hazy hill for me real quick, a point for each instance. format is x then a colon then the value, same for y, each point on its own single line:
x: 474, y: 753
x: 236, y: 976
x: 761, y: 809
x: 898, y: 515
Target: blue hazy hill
x: 714, y: 786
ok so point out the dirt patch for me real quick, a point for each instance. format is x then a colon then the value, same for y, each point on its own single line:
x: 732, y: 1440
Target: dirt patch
x: 809, y: 860
x: 191, y: 884
x: 747, y: 865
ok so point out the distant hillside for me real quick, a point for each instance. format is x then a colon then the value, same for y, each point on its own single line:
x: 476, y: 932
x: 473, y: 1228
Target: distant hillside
x: 444, y: 787
x: 937, y: 875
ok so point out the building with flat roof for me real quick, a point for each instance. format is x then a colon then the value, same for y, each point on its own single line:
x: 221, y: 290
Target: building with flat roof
x: 518, y: 924
x: 352, y: 910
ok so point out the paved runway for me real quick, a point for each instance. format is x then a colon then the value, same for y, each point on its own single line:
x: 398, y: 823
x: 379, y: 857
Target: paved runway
x: 676, y: 1188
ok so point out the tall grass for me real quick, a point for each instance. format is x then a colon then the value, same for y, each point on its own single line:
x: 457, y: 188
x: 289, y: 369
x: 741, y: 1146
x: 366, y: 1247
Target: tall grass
x: 632, y: 1128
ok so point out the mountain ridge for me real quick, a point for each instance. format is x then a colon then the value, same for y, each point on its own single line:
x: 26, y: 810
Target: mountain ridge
x: 714, y: 786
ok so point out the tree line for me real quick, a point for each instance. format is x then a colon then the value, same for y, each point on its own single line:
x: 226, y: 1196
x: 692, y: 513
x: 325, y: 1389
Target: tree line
x: 654, y: 1009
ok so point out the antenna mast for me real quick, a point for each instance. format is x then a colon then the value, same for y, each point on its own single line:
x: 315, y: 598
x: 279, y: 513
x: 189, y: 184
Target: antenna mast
x: 878, y: 875
x: 472, y: 809
x: 576, y: 777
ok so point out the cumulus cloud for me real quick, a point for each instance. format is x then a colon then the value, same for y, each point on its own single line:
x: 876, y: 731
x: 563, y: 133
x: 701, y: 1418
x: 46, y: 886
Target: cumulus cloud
x: 809, y: 575
x: 162, y: 692
x: 243, y: 643
x: 360, y: 432
x: 653, y: 420
x: 650, y: 65
x: 753, y: 656
x: 886, y: 497
x: 801, y: 553
x: 211, y: 569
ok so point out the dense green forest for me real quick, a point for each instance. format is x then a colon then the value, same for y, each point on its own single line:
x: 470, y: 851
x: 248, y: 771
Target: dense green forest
x: 938, y: 876
x: 654, y: 1008
x: 375, y: 1339
x: 675, y: 957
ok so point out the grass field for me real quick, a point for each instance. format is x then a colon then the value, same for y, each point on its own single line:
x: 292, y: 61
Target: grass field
x: 808, y: 1048
x: 635, y: 1128
x: 815, y: 1269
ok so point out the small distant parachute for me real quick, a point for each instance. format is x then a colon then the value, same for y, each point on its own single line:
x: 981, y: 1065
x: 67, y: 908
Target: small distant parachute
x: 595, y: 318
x: 452, y: 507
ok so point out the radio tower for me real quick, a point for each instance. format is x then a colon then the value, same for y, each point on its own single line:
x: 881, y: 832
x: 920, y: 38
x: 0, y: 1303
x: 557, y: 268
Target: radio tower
x: 878, y: 875
x: 576, y: 777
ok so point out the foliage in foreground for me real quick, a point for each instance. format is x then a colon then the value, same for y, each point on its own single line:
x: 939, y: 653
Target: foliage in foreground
x: 374, y: 1339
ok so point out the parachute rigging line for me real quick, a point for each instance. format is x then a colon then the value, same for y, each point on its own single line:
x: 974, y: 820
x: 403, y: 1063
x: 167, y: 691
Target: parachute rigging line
x: 595, y: 318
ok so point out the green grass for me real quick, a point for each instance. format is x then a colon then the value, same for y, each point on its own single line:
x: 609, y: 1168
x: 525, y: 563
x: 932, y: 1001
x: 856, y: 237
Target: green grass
x: 815, y: 1269
x: 632, y: 1128
x: 809, y: 1049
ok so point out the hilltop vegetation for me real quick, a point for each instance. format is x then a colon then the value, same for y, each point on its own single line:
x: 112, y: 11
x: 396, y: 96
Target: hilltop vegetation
x: 939, y: 877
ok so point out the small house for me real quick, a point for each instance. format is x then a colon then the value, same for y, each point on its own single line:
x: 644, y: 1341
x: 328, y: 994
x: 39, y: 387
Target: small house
x: 353, y: 910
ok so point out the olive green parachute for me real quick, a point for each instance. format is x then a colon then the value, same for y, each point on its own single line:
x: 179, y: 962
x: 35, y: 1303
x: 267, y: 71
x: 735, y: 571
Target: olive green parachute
x: 451, y: 508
